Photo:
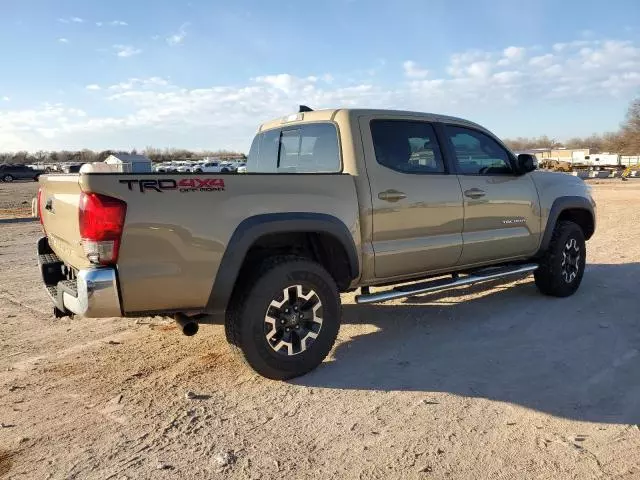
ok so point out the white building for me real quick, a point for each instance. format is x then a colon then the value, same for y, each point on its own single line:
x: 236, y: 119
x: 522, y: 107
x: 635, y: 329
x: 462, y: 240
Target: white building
x: 127, y: 163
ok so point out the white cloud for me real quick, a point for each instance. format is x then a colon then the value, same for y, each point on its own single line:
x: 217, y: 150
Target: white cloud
x: 513, y: 53
x: 286, y: 82
x: 459, y: 62
x: 138, y: 82
x: 507, y: 77
x: 151, y: 108
x: 553, y: 70
x: 624, y: 81
x: 126, y: 50
x: 411, y: 70
x: 114, y: 23
x: 19, y: 128
x: 63, y: 40
x: 479, y: 69
x: 6, y: 99
x: 542, y: 60
x: 178, y: 38
x: 71, y: 20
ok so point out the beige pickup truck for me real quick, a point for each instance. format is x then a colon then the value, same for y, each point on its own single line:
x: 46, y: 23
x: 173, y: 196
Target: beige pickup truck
x: 333, y: 201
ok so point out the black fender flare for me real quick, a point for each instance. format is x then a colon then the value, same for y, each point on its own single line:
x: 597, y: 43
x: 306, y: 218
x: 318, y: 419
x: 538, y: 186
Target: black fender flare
x: 559, y: 205
x: 255, y: 227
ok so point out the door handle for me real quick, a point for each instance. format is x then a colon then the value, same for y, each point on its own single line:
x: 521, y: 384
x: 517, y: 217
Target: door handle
x: 49, y: 205
x: 474, y: 193
x: 392, y: 195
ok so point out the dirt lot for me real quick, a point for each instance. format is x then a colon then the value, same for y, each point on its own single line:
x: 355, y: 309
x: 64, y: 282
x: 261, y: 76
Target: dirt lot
x: 15, y: 198
x: 470, y: 384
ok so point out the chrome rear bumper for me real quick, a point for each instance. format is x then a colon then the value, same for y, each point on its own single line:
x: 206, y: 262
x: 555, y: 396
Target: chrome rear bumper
x: 91, y: 293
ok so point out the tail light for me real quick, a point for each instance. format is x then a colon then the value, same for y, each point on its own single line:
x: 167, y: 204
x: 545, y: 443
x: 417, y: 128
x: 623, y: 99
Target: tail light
x: 101, y: 223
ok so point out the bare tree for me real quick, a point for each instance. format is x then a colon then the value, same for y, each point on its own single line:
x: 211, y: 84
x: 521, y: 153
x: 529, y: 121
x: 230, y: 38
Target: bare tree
x: 630, y: 133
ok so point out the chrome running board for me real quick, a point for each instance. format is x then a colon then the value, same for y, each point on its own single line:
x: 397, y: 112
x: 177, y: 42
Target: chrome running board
x: 446, y: 283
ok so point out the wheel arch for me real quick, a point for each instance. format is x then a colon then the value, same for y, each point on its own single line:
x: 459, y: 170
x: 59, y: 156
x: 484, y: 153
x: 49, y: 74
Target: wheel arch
x: 320, y: 237
x: 572, y: 208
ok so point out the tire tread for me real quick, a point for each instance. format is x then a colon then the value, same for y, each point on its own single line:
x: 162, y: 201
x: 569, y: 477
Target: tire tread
x: 548, y: 277
x: 240, y: 302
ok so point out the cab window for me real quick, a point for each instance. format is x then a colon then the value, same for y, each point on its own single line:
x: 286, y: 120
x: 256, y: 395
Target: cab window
x: 307, y: 148
x: 406, y: 146
x: 476, y: 153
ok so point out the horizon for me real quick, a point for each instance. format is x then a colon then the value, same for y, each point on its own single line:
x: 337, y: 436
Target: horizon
x: 202, y: 76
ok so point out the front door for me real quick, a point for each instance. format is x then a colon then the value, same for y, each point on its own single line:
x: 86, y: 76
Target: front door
x: 501, y: 219
x: 417, y: 204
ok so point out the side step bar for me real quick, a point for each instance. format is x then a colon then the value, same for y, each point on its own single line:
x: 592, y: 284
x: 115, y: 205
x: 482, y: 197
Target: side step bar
x: 444, y: 284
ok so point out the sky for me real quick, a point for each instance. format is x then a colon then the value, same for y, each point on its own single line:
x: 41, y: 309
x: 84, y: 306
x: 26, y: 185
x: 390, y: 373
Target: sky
x: 205, y: 74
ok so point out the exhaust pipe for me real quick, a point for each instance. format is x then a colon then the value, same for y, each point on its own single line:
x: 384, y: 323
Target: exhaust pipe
x: 188, y: 325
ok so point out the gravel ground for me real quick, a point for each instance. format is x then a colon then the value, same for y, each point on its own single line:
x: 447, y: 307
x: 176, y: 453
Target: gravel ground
x: 469, y: 384
x: 15, y: 198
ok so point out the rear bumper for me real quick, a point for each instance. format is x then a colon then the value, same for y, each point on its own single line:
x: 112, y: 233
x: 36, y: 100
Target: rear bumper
x: 91, y: 292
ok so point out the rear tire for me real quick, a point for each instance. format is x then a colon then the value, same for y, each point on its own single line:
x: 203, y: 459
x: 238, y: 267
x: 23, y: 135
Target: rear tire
x: 7, y: 178
x: 562, y: 266
x: 284, y: 320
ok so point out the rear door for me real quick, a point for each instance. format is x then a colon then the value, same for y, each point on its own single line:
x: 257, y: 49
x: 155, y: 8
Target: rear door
x: 417, y: 204
x: 501, y: 208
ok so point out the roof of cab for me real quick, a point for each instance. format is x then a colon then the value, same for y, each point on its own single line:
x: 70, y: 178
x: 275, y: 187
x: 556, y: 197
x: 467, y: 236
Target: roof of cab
x: 329, y: 114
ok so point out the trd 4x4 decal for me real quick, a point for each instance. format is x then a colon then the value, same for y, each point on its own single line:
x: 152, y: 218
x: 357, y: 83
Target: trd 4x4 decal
x: 182, y: 185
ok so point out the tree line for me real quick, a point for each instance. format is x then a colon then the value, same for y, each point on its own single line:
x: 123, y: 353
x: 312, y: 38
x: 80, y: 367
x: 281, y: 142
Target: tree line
x: 626, y: 141
x: 87, y: 156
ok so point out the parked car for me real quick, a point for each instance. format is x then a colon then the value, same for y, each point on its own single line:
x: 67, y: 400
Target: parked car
x: 166, y: 167
x: 208, y: 167
x: 347, y: 199
x: 242, y: 168
x: 72, y: 168
x: 10, y: 172
x: 183, y: 167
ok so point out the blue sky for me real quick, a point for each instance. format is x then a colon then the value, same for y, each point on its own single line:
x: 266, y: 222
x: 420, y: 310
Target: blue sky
x: 205, y: 74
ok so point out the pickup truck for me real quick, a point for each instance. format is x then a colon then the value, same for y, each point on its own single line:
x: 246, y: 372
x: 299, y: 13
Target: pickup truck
x: 10, y: 172
x: 333, y: 201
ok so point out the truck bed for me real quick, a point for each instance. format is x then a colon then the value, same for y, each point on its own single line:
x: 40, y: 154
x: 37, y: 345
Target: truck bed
x: 178, y: 226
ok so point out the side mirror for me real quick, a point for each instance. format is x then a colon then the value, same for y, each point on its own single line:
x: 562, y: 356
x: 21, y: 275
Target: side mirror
x: 526, y: 163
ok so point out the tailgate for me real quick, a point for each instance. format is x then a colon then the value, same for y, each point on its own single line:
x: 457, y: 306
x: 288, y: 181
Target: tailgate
x: 60, y: 196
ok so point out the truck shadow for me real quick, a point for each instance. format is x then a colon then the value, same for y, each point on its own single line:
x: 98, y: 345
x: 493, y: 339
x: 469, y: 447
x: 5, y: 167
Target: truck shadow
x: 577, y: 357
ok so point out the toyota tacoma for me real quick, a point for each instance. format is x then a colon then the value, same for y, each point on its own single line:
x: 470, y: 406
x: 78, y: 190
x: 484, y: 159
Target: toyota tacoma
x: 333, y: 201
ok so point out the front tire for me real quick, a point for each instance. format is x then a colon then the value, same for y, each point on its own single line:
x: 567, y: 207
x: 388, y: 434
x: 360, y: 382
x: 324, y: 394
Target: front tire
x: 562, y: 266
x: 7, y: 178
x: 284, y: 320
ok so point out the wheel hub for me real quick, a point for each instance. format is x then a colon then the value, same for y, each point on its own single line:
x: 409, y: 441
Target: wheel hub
x: 570, y: 260
x: 293, y: 321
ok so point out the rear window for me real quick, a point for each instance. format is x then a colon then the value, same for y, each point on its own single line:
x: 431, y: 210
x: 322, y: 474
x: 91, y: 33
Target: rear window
x: 309, y: 148
x: 406, y: 146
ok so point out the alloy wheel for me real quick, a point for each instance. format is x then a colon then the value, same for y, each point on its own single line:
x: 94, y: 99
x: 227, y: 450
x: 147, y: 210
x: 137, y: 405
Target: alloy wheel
x: 570, y: 260
x: 293, y: 321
